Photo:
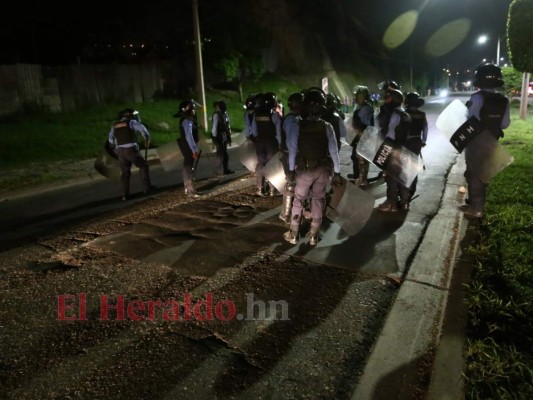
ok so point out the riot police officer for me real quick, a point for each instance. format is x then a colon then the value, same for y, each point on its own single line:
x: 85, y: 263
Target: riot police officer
x: 266, y: 133
x: 249, y: 107
x: 188, y: 143
x: 221, y: 136
x: 363, y: 117
x: 290, y: 121
x: 385, y: 87
x: 313, y: 152
x: 332, y: 116
x: 418, y: 128
x: 394, y: 123
x: 492, y: 109
x: 123, y: 139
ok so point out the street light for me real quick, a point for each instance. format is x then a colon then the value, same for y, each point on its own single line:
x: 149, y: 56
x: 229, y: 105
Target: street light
x: 483, y: 39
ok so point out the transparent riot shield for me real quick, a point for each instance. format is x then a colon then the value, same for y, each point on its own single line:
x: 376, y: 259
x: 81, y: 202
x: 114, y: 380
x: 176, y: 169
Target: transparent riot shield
x: 246, y: 154
x: 397, y: 161
x: 237, y: 139
x: 351, y: 134
x: 274, y: 173
x: 484, y: 155
x: 403, y: 165
x: 451, y: 118
x: 370, y: 142
x: 349, y: 207
x: 107, y: 165
x: 206, y: 146
x: 170, y: 156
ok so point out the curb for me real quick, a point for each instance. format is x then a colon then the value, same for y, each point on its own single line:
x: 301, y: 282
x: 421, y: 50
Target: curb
x: 152, y: 158
x: 400, y: 365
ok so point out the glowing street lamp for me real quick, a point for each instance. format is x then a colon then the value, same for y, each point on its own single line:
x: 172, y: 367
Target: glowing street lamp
x: 484, y: 39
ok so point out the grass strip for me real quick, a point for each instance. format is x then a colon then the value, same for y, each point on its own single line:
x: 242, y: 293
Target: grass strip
x: 499, y: 354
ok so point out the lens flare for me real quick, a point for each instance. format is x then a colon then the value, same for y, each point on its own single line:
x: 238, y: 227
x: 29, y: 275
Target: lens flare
x: 448, y: 37
x: 400, y: 29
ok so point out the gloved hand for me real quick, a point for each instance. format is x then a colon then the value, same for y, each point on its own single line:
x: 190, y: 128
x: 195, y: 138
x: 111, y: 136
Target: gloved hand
x: 337, y: 179
x: 291, y: 178
x: 195, y: 155
x: 423, y: 144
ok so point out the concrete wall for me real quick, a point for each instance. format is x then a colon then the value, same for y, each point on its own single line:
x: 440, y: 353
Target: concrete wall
x: 74, y: 87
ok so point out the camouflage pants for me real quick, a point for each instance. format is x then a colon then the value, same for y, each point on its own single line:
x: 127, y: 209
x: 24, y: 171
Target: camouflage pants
x: 311, y: 182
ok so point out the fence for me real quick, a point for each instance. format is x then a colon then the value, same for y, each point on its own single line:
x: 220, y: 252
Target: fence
x: 74, y: 87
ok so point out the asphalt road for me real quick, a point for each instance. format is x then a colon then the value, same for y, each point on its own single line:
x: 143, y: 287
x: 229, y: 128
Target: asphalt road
x: 172, y: 298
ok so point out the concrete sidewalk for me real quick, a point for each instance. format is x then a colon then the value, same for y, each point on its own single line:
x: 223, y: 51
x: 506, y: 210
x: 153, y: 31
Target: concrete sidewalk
x: 415, y: 349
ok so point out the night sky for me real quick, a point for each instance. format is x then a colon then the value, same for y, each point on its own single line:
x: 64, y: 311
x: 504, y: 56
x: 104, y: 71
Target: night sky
x: 58, y: 32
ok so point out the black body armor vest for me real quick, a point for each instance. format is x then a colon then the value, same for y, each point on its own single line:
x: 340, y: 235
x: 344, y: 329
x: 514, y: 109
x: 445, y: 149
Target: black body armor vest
x: 312, y: 143
x: 123, y: 133
x: 356, y: 120
x: 194, y: 129
x: 492, y: 112
x: 416, y: 127
x: 266, y: 129
x: 223, y: 127
x: 402, y: 130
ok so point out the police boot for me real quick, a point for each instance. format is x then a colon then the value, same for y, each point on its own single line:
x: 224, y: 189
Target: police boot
x: 291, y: 236
x: 313, y: 235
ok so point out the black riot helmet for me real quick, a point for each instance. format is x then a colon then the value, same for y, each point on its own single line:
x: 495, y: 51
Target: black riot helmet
x: 413, y: 99
x: 268, y: 101
x: 394, y: 97
x: 186, y: 107
x: 362, y: 92
x: 129, y: 113
x: 332, y: 102
x: 221, y: 105
x: 387, y: 85
x: 488, y: 76
x: 249, y: 103
x: 314, y: 102
x: 295, y: 101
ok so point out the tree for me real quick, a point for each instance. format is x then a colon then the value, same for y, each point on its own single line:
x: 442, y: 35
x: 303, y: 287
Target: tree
x: 519, y: 34
x: 513, y: 81
x: 237, y: 67
x: 236, y: 44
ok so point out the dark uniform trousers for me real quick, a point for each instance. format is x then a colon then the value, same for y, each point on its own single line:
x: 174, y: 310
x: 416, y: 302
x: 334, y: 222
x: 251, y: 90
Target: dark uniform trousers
x: 222, y: 158
x: 479, y: 150
x: 126, y: 157
x: 265, y: 150
x: 477, y: 189
x: 395, y: 188
x: 310, y: 182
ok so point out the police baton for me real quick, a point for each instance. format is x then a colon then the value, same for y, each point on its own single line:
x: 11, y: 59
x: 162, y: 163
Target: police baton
x: 423, y: 163
x: 195, y: 164
x: 145, y: 150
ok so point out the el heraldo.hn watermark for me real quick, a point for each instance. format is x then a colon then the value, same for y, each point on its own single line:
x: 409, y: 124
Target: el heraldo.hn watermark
x: 74, y: 307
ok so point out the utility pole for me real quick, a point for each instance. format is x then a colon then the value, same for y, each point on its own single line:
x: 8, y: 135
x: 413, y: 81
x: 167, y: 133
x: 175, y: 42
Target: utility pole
x: 498, y: 52
x: 199, y: 64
